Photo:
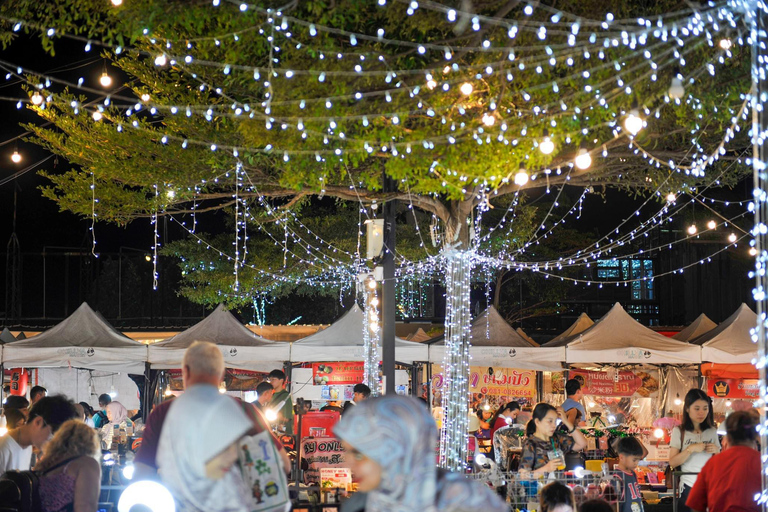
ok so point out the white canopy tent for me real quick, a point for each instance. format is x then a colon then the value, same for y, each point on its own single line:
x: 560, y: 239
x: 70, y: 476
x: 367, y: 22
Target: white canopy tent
x: 619, y: 338
x: 730, y: 342
x: 495, y: 343
x: 6, y: 336
x: 242, y: 349
x: 700, y: 326
x: 525, y: 336
x: 82, y: 340
x: 580, y: 325
x: 343, y: 341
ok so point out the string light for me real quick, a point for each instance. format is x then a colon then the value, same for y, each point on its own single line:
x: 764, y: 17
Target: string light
x: 633, y: 123
x: 16, y: 157
x: 521, y: 177
x: 546, y: 146
x: 36, y: 98
x: 466, y: 88
x: 692, y: 229
x: 711, y: 224
x: 583, y: 159
x: 732, y: 237
x: 489, y: 119
x: 97, y: 116
x: 105, y: 80
x: 117, y: 3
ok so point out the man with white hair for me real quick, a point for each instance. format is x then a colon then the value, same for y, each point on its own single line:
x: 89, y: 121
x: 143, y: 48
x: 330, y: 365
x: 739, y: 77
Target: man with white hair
x: 202, y: 369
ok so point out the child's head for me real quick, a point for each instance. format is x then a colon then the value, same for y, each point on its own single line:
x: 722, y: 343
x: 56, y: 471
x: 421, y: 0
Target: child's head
x: 630, y: 453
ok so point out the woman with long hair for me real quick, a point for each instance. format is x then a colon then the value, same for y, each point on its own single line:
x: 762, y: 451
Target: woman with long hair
x: 70, y: 471
x: 542, y: 439
x: 693, y: 443
x: 390, y: 447
x: 506, y: 415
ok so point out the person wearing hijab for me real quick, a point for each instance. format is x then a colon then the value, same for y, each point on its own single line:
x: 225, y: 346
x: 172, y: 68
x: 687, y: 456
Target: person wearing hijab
x: 390, y: 447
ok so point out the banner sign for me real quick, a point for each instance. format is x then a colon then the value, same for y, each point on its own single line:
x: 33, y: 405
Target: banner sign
x: 507, y: 382
x: 617, y: 383
x: 733, y: 388
x: 321, y: 452
x: 324, y: 374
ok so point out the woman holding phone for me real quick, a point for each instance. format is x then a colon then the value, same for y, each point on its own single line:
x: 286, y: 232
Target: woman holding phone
x: 693, y: 443
x: 544, y: 449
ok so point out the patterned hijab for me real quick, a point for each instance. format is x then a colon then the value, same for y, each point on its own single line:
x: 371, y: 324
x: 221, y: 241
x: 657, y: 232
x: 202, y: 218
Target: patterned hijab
x: 399, y: 434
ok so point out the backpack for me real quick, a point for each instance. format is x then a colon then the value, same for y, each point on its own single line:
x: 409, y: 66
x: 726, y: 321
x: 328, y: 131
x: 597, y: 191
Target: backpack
x: 20, y: 490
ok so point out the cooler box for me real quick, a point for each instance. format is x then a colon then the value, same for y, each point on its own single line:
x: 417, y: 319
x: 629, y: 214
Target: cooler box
x: 317, y: 419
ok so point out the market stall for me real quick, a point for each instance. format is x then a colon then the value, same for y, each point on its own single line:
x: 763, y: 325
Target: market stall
x: 343, y: 341
x: 698, y: 327
x: 241, y: 348
x: 582, y: 323
x: 82, y: 340
x: 494, y: 343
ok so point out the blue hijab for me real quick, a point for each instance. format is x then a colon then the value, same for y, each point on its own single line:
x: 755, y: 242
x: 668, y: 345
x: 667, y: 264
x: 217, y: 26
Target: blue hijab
x: 400, y: 435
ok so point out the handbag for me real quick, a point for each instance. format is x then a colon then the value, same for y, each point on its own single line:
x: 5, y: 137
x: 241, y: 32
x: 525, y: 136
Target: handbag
x: 670, y: 469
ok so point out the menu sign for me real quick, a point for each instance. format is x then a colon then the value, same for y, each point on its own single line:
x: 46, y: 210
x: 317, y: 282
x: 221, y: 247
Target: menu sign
x: 321, y: 452
x: 621, y: 383
x: 507, y: 382
x: 324, y: 374
x: 733, y: 388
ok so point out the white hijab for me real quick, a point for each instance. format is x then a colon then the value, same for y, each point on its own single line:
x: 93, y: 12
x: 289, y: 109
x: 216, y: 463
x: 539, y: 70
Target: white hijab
x: 200, y: 424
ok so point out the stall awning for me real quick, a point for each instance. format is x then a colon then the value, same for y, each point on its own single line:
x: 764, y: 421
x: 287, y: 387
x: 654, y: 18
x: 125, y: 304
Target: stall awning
x: 731, y: 341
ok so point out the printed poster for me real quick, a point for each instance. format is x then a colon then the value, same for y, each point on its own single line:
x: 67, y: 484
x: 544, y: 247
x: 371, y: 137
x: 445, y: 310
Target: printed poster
x: 508, y: 382
x: 733, y: 388
x: 346, y: 373
x: 321, y: 452
x: 616, y: 383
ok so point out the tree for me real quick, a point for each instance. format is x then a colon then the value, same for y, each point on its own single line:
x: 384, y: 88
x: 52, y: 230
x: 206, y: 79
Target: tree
x: 303, y: 121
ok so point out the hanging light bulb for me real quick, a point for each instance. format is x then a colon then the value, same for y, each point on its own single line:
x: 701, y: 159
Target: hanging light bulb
x: 97, y: 115
x: 521, y: 178
x: 725, y: 44
x: 658, y: 433
x: 583, y: 158
x: 633, y: 123
x: 752, y: 251
x: 117, y: 2
x: 692, y: 229
x: 168, y: 392
x: 546, y: 146
x: 711, y: 224
x: 728, y: 403
x: 105, y: 79
x: 732, y: 238
x: 671, y: 197
x: 677, y: 400
x: 676, y: 89
x: 431, y: 84
x: 37, y: 98
x: 371, y: 284
x: 145, y: 97
x: 16, y: 157
x: 161, y: 60
x: 489, y: 119
x: 222, y: 388
x: 171, y: 193
x: 466, y: 88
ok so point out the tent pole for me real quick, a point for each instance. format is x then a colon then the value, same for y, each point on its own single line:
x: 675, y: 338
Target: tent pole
x: 146, y: 402
x: 415, y: 379
x: 429, y: 385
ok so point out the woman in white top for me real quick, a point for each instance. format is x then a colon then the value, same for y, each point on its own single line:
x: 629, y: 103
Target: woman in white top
x: 694, y: 442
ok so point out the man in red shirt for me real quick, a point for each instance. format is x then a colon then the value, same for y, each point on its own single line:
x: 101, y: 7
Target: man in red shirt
x: 731, y: 479
x: 192, y: 372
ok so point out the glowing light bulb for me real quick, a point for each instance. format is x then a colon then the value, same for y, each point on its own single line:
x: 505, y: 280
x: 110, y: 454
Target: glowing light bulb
x: 466, y: 88
x: 431, y: 84
x: 161, y: 60
x: 117, y: 2
x: 97, y: 115
x: 446, y: 70
x: 487, y: 407
x: 372, y: 284
x: 671, y: 197
x: 521, y: 178
x: 546, y: 146
x: 732, y: 238
x: 658, y: 433
x: 16, y: 157
x: 676, y: 89
x: 728, y: 403
x: 489, y: 119
x: 583, y: 159
x: 270, y: 414
x: 148, y: 257
x: 591, y: 404
x: 167, y: 392
x: 633, y: 123
x: 146, y: 495
x: 129, y: 469
x: 37, y: 98
x: 692, y: 229
x: 725, y: 44
x: 678, y: 401
x: 711, y: 224
x: 171, y: 194
x: 105, y: 79
x: 752, y: 251
x: 374, y: 302
x: 145, y: 97
x: 222, y: 388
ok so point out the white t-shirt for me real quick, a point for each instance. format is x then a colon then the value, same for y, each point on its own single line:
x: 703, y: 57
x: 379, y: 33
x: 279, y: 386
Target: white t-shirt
x: 695, y: 461
x: 12, y: 456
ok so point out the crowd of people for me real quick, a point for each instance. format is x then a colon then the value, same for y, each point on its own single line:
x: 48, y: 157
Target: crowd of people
x: 194, y: 444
